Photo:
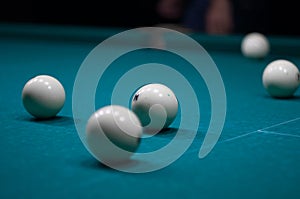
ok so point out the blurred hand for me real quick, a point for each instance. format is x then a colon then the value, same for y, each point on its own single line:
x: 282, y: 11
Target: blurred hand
x: 169, y: 9
x: 219, y: 19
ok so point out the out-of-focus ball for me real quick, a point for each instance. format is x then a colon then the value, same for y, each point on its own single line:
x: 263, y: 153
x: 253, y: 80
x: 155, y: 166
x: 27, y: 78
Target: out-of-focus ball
x: 281, y: 78
x: 255, y: 45
x: 113, y: 134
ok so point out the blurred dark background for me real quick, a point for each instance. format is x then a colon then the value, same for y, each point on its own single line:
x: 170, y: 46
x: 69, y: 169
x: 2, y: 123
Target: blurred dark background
x: 109, y: 13
x: 266, y: 16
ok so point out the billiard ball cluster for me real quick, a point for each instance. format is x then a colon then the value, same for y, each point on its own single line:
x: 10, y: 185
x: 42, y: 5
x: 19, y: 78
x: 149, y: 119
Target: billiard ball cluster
x: 281, y: 78
x: 113, y: 132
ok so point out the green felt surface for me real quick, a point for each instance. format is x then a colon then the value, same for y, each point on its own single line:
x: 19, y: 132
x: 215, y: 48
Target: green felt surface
x: 257, y: 156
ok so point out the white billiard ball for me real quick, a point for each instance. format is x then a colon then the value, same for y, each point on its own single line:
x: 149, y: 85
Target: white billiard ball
x: 281, y: 78
x: 113, y: 134
x: 43, y: 96
x: 255, y: 45
x: 156, y: 106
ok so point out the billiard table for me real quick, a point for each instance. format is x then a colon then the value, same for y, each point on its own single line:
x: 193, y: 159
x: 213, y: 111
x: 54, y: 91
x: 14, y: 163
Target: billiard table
x: 257, y: 154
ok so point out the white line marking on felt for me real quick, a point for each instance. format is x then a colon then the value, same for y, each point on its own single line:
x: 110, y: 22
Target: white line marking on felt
x: 239, y: 136
x: 282, y: 134
x: 263, y: 131
x: 257, y: 131
x: 282, y: 123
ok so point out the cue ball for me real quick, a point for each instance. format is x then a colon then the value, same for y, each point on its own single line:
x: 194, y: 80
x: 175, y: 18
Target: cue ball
x: 255, y: 45
x: 281, y: 78
x: 113, y: 134
x: 43, y: 96
x: 156, y: 106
